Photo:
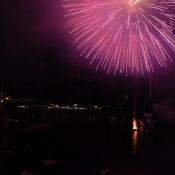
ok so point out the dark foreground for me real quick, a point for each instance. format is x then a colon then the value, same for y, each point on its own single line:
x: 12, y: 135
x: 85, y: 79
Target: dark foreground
x: 83, y: 145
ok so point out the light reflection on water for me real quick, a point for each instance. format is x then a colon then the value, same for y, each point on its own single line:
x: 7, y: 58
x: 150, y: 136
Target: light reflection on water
x: 134, y: 143
x: 101, y: 138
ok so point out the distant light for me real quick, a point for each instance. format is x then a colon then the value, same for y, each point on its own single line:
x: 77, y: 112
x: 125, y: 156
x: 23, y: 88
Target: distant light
x: 21, y: 106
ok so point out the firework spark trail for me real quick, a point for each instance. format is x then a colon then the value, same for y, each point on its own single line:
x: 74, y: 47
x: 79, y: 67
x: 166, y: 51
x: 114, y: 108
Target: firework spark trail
x: 133, y: 35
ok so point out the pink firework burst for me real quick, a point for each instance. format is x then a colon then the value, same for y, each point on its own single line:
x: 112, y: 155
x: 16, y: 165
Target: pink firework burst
x: 123, y: 35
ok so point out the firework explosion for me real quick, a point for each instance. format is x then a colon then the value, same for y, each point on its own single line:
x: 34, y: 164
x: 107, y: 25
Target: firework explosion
x: 133, y: 35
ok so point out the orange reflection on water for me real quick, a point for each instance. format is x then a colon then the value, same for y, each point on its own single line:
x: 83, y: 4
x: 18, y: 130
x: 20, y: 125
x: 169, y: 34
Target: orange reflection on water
x: 134, y: 143
x: 134, y: 137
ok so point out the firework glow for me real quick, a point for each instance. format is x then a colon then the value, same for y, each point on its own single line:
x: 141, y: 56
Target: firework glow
x: 133, y: 35
x: 134, y: 124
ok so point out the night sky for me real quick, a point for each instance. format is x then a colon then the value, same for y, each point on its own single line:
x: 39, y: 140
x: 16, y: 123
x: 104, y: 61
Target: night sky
x: 38, y: 59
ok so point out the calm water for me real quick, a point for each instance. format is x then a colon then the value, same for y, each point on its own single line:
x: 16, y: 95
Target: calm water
x: 83, y: 143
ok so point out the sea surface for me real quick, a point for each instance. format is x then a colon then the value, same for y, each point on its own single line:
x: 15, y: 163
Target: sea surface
x: 83, y: 142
